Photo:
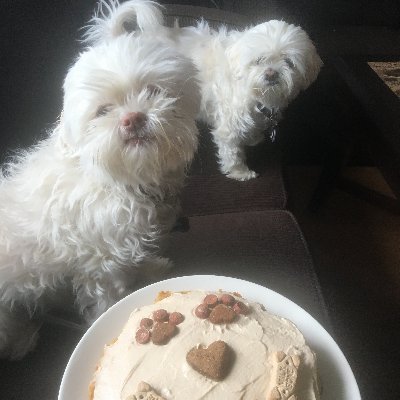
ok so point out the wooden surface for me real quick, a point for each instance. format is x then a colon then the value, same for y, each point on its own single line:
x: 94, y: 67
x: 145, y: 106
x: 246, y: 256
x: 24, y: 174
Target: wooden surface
x: 389, y: 72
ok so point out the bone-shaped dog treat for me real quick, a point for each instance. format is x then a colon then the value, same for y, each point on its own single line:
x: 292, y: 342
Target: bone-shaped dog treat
x: 284, y: 376
x: 145, y: 392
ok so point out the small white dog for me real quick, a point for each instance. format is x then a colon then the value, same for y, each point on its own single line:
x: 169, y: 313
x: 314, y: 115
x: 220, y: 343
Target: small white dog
x: 90, y: 203
x: 247, y: 79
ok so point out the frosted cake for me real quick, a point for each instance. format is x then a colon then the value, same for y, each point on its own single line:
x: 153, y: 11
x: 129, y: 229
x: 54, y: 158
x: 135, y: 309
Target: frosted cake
x: 206, y: 345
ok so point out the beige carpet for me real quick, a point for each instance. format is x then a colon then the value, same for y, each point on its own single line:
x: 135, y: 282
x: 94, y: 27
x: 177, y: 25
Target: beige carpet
x: 389, y: 72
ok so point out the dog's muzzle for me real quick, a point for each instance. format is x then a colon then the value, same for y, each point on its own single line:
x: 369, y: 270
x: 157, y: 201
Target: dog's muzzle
x: 132, y: 128
x: 271, y: 76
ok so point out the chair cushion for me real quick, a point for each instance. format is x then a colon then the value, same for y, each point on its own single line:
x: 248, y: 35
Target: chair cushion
x: 189, y: 15
x: 38, y: 375
x: 265, y: 247
x: 208, y: 191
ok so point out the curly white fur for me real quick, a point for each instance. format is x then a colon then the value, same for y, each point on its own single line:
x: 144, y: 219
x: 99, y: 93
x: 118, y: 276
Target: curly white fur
x: 91, y: 202
x: 247, y: 78
x: 239, y: 100
x: 113, y: 19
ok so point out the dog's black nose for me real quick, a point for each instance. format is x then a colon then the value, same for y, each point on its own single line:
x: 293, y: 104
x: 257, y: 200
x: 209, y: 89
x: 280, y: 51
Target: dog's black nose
x: 133, y: 121
x: 271, y: 74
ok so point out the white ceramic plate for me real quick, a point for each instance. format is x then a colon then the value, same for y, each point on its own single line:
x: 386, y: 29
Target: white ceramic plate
x: 336, y: 375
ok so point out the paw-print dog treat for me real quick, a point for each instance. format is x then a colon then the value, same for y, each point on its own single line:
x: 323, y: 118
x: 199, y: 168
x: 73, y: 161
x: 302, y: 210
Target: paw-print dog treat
x: 142, y: 336
x: 226, y: 347
x: 240, y: 308
x: 146, y: 323
x: 176, y: 318
x: 222, y: 314
x: 227, y: 299
x: 221, y: 309
x: 161, y: 329
x: 211, y: 300
x: 202, y: 311
x: 163, y: 332
x: 160, y: 315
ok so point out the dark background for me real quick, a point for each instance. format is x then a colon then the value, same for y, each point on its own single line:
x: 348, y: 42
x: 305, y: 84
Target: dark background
x: 40, y: 40
x: 318, y: 14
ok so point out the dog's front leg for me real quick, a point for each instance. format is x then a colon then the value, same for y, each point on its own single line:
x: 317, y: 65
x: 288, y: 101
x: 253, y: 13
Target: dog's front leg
x: 154, y: 268
x: 97, y: 290
x: 20, y: 306
x: 232, y: 157
x: 18, y: 333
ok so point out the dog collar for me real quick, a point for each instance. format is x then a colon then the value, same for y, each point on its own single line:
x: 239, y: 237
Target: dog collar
x: 271, y: 116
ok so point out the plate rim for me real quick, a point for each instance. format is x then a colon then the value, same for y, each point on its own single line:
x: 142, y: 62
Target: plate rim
x: 176, y: 281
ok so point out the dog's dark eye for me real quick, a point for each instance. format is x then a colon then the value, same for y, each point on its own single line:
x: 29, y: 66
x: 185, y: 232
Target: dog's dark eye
x: 130, y: 26
x: 260, y: 60
x: 289, y: 63
x: 103, y: 110
x: 152, y: 90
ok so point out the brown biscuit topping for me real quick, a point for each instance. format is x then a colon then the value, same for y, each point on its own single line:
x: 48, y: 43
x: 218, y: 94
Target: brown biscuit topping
x: 145, y: 392
x: 284, y: 376
x: 214, y: 362
x: 222, y: 314
x: 163, y: 332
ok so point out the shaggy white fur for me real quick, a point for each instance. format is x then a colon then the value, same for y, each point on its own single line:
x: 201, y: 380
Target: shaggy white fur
x: 247, y: 78
x: 91, y: 202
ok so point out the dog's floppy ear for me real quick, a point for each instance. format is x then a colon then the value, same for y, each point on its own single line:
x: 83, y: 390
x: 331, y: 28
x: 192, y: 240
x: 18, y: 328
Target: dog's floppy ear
x: 113, y: 19
x: 313, y: 65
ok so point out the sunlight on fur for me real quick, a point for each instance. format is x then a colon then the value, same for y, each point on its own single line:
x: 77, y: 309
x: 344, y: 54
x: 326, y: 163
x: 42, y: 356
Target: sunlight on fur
x: 92, y: 202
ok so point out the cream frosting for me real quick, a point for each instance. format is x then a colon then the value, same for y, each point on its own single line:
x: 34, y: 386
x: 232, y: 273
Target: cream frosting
x: 255, y: 338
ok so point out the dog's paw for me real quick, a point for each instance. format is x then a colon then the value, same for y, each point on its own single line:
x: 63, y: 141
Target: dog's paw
x: 17, y: 336
x: 93, y: 311
x: 181, y: 225
x: 242, y: 174
x: 155, y: 268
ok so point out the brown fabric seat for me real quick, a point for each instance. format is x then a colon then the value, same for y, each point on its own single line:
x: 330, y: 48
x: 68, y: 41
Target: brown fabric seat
x: 38, y: 375
x: 265, y: 247
x: 208, y: 191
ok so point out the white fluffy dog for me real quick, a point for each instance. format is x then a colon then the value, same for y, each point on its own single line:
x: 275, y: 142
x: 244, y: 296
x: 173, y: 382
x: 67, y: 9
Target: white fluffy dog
x: 247, y: 79
x: 90, y: 203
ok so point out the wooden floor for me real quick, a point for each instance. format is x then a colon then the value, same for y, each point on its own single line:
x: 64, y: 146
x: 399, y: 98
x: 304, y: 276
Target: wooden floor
x: 389, y: 72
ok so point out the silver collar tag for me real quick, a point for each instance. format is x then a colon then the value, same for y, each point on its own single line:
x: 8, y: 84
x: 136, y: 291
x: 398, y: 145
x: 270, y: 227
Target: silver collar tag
x: 271, y: 117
